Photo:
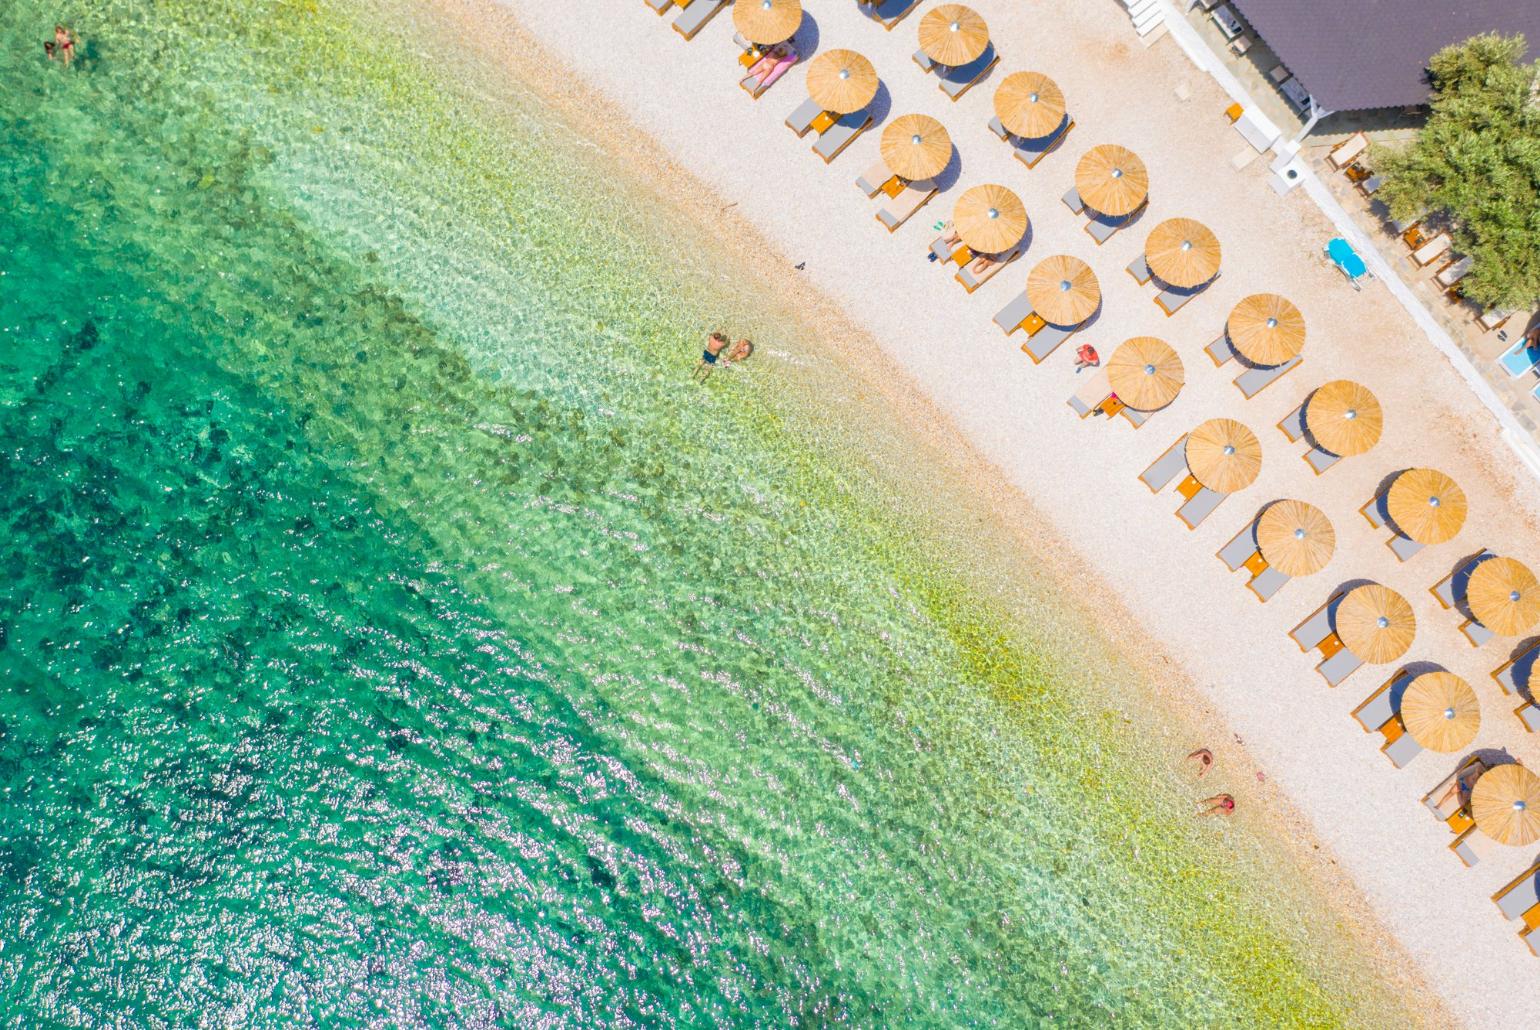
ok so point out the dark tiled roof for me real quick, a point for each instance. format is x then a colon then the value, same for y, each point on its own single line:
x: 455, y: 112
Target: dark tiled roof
x: 1352, y: 54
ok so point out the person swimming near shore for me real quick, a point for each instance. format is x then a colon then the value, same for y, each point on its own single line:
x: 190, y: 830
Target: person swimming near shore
x: 741, y: 351
x: 715, y: 343
x: 63, y: 45
x: 1219, y: 804
x: 1205, y: 759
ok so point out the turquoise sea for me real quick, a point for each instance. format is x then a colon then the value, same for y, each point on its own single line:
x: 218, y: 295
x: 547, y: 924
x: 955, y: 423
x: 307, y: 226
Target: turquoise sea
x: 391, y: 635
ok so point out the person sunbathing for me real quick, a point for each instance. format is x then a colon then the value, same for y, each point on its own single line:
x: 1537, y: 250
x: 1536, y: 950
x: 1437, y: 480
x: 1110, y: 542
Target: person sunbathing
x: 1203, y: 756
x: 1219, y: 804
x: 775, y: 63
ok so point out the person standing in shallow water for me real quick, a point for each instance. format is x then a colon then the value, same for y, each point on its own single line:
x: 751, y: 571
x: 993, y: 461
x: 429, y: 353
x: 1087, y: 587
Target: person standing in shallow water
x: 63, y: 45
x: 715, y: 344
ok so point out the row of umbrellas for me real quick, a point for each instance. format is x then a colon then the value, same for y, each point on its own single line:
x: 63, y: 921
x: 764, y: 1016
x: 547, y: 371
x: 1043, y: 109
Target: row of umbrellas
x: 1439, y: 709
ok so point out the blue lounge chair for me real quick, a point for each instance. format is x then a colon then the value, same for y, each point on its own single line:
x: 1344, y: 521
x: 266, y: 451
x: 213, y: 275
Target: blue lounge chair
x: 1220, y: 350
x: 1101, y: 230
x: 1347, y: 261
x: 1139, y: 270
x: 1293, y: 424
x: 1030, y: 151
x: 1403, y: 547
x: 1520, y: 358
x: 1476, y: 633
x: 1320, y: 460
x: 1073, y: 202
x: 1171, y: 301
x: 1451, y: 588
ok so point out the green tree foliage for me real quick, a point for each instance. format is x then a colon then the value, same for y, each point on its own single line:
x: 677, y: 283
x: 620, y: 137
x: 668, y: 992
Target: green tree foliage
x: 1477, y: 162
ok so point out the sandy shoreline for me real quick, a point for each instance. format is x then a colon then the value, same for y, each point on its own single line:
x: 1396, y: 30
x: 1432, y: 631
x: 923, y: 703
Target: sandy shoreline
x: 982, y: 397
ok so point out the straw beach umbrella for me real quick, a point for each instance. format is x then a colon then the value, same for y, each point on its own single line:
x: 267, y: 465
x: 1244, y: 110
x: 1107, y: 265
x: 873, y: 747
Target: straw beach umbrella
x: 1029, y: 104
x: 841, y: 81
x: 767, y: 21
x: 1224, y: 455
x: 916, y: 146
x: 1145, y: 373
x: 953, y: 34
x: 1506, y: 805
x: 1296, y: 538
x: 1064, y: 290
x: 1504, y: 596
x: 1344, y: 417
x: 1375, y: 623
x: 1182, y: 252
x: 1426, y: 505
x: 1440, y: 711
x: 1112, y: 180
x: 1267, y: 329
x: 990, y: 218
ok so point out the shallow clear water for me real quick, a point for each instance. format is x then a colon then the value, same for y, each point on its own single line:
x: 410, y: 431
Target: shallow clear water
x: 390, y: 633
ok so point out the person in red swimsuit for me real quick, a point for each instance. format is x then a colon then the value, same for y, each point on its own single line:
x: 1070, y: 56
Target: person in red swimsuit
x: 64, y: 44
x: 1086, y: 357
x: 1219, y: 804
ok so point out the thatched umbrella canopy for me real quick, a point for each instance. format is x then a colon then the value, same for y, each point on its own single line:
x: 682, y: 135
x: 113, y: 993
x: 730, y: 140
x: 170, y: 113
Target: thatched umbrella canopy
x: 1344, y: 417
x: 1503, y: 596
x: 1266, y: 329
x: 1440, y: 711
x: 767, y: 21
x: 1426, y: 505
x: 1029, y: 104
x: 953, y: 34
x: 1145, y: 373
x: 1111, y: 180
x: 1224, y: 455
x: 1182, y: 252
x: 1296, y: 538
x: 916, y: 146
x: 990, y: 218
x: 1505, y: 803
x: 841, y: 81
x: 1064, y: 290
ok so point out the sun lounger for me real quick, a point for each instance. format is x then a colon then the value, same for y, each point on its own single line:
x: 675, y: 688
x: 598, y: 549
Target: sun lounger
x: 841, y: 134
x: 1010, y: 317
x: 1166, y: 467
x: 1348, y: 151
x: 1520, y: 358
x: 1030, y: 151
x: 1454, y: 271
x: 1200, y: 506
x: 1529, y: 715
x: 801, y: 120
x: 1139, y: 270
x: 1520, y: 895
x: 1096, y: 389
x: 1401, y: 749
x: 1494, y: 318
x: 1220, y: 350
x: 1134, y: 416
x: 1256, y: 379
x: 1072, y: 200
x: 1267, y: 583
x: 1241, y: 546
x: 871, y: 180
x: 1476, y: 633
x: 1339, y: 667
x: 898, y: 210
x: 1518, y: 674
x: 1381, y: 706
x: 1374, y: 512
x: 1453, y: 585
x: 997, y: 127
x: 972, y: 280
x: 957, y: 81
x: 1045, y: 341
x: 1320, y: 460
x: 889, y: 13
x: 694, y: 17
x: 756, y: 89
x: 659, y: 6
x: 941, y: 250
x: 1293, y: 424
x: 1171, y: 301
x: 1370, y: 186
x: 1403, y: 547
x: 1101, y: 231
x: 1472, y: 846
x: 1431, y: 251
x: 1309, y: 634
x: 1441, y: 802
x: 925, y: 63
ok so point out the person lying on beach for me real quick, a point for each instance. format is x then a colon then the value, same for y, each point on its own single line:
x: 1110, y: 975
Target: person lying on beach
x: 951, y: 239
x: 1086, y: 357
x: 1205, y: 759
x: 1219, y: 804
x: 984, y: 261
x: 777, y: 61
x: 708, y: 359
